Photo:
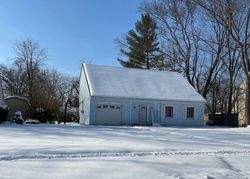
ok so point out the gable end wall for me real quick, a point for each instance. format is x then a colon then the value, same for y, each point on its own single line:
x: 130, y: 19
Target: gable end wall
x: 84, y: 99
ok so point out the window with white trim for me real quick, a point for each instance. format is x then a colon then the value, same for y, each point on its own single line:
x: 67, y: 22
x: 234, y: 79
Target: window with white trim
x: 190, y: 112
x: 169, y: 111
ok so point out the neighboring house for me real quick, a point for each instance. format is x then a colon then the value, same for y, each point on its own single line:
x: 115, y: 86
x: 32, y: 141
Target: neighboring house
x: 125, y: 96
x: 240, y: 104
x: 17, y: 103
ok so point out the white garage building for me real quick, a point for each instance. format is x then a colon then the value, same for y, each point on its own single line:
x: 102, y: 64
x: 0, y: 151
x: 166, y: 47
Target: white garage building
x: 125, y: 96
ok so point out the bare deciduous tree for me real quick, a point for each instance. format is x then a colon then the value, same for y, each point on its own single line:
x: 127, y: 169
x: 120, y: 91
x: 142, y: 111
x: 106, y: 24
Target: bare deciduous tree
x: 29, y: 56
x: 234, y: 15
x: 13, y: 78
x: 185, y: 46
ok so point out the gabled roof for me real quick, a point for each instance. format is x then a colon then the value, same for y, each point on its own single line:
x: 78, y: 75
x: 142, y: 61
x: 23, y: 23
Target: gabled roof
x: 18, y: 97
x: 120, y: 82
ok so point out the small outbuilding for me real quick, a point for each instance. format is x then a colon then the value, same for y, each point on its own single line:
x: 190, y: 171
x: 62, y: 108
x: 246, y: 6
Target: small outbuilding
x: 126, y: 96
x: 17, y: 103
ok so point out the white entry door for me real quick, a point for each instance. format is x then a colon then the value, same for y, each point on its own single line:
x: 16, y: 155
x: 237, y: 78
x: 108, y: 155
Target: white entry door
x: 109, y: 114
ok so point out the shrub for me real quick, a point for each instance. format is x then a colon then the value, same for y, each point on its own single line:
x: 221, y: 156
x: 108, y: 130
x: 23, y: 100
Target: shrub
x: 43, y: 115
x: 4, y: 110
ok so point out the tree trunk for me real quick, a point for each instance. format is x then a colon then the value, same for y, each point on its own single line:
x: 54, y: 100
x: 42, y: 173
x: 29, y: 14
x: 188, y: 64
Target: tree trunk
x: 65, y: 112
x: 247, y: 102
x: 213, y: 101
x: 230, y: 105
x: 1, y: 92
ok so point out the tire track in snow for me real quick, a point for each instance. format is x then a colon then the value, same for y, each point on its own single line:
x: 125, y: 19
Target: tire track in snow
x: 121, y: 154
x: 209, y: 138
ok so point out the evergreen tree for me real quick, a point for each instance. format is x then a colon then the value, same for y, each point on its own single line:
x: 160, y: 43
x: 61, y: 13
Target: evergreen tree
x: 142, y: 48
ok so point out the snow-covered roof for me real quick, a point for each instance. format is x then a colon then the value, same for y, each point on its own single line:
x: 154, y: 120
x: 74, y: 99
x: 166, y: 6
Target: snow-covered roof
x: 18, y: 97
x: 120, y: 82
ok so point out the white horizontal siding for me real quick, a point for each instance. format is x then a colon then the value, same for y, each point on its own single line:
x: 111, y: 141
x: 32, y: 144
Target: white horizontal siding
x: 130, y: 111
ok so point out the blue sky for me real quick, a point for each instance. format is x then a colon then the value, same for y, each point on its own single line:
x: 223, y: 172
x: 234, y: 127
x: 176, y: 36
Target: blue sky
x: 71, y: 30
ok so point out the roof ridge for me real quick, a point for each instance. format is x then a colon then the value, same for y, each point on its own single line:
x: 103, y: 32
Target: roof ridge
x: 134, y: 69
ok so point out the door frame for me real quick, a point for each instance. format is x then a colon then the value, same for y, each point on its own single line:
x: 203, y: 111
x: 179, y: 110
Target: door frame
x: 139, y: 107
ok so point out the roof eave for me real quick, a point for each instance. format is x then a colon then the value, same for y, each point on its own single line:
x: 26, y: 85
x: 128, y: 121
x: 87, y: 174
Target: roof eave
x: 157, y: 99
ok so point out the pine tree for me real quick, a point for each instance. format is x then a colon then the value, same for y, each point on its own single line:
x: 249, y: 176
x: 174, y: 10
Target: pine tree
x: 142, y: 48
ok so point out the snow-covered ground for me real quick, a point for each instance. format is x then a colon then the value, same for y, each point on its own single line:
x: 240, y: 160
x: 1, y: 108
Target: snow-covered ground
x: 73, y: 151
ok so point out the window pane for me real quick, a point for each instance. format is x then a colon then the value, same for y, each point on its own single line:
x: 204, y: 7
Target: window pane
x: 190, y: 112
x: 168, y: 111
x: 105, y: 106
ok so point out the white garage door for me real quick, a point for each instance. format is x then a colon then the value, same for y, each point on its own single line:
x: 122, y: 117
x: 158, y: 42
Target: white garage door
x: 109, y: 114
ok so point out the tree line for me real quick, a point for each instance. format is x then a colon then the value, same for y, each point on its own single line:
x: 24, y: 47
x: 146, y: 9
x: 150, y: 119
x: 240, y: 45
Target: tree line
x: 46, y: 89
x: 205, y: 40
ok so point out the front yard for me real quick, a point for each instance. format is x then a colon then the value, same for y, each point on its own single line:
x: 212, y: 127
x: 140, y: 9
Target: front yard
x: 74, y: 151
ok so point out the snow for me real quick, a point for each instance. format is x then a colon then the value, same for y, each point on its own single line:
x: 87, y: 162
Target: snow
x: 4, y: 107
x: 32, y: 121
x: 74, y: 151
x: 107, y: 81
